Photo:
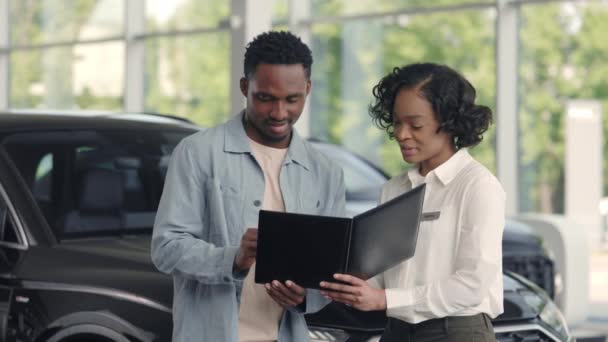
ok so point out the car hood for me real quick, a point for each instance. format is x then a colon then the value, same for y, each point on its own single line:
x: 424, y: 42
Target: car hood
x: 515, y: 305
x: 121, y: 264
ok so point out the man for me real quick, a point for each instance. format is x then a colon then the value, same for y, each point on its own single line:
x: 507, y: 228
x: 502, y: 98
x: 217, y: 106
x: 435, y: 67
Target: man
x: 217, y: 182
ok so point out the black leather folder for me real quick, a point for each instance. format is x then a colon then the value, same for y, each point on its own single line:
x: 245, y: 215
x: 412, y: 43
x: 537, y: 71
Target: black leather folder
x: 308, y: 249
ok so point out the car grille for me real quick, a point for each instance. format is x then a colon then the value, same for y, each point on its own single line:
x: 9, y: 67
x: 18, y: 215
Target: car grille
x: 523, y: 336
x: 323, y: 335
x: 536, y: 268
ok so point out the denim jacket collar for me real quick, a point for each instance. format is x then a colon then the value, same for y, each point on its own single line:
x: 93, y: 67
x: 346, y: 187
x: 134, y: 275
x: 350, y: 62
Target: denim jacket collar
x: 236, y: 141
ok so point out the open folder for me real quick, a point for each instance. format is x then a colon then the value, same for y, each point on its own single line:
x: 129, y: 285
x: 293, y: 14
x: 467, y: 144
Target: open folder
x: 308, y: 249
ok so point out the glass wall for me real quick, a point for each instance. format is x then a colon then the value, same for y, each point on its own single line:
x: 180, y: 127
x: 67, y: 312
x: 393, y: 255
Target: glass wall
x: 187, y: 59
x: 52, y: 21
x: 58, y: 52
x: 184, y: 79
x: 351, y: 55
x: 75, y: 55
x: 562, y: 57
x: 181, y: 15
x: 280, y: 14
x: 363, y: 7
x: 68, y: 77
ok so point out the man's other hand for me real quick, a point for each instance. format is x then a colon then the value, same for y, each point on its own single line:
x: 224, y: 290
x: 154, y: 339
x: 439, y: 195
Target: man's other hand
x: 287, y: 295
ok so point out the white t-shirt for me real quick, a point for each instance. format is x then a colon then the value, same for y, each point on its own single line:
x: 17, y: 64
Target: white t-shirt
x: 259, y: 315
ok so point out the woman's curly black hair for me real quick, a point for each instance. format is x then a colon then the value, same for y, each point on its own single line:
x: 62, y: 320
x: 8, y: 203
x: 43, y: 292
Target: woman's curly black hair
x: 276, y: 47
x: 451, y: 96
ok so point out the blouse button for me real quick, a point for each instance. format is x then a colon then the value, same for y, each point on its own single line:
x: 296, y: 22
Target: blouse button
x: 257, y: 203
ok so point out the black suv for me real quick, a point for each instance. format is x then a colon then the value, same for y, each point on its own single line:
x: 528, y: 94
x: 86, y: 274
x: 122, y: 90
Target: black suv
x: 78, y: 195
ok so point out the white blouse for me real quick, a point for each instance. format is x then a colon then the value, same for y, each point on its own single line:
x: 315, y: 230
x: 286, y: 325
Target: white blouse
x: 457, y: 267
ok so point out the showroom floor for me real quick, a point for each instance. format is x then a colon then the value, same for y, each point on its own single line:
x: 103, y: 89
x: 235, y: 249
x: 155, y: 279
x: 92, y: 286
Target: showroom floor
x: 597, y: 324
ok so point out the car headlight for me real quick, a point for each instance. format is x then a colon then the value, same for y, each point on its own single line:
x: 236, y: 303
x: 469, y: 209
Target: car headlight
x: 552, y: 316
x: 549, y: 313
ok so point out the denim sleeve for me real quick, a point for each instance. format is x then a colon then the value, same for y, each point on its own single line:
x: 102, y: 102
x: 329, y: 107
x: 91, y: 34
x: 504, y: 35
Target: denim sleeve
x: 177, y: 244
x: 314, y: 301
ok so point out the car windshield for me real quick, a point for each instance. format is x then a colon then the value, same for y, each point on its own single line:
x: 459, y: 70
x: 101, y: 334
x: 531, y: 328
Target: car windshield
x: 363, y: 181
x: 95, y: 182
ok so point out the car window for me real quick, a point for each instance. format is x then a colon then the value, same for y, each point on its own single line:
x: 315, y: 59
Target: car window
x: 362, y: 180
x: 359, y: 176
x: 95, y: 182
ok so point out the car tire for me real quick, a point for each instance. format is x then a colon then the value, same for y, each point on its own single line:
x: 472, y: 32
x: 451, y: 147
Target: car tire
x: 89, y: 333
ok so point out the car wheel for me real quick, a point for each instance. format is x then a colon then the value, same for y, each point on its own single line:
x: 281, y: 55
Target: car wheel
x: 88, y: 333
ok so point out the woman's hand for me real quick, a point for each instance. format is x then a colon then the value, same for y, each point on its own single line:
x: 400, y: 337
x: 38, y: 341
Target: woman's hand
x: 356, y: 293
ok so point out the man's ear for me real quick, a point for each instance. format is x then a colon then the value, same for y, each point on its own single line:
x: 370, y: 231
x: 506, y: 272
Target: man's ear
x: 244, y: 85
x: 308, y: 87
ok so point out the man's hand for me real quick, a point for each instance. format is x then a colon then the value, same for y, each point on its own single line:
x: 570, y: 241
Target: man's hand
x: 286, y: 295
x: 245, y: 257
x: 356, y: 293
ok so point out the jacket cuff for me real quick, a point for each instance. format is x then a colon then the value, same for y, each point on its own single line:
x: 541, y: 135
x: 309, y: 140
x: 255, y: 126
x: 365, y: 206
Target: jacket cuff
x: 231, y: 273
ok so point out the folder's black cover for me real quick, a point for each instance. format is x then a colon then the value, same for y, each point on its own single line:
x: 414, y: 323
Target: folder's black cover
x: 307, y: 249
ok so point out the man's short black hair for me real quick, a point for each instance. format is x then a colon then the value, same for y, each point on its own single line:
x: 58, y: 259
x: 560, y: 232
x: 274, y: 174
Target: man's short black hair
x: 276, y: 47
x: 451, y: 96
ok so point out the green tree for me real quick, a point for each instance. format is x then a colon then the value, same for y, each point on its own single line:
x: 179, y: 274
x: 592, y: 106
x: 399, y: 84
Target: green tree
x: 589, y: 53
x: 43, y: 76
x: 189, y: 75
x: 562, y: 58
x: 446, y: 38
x: 543, y: 53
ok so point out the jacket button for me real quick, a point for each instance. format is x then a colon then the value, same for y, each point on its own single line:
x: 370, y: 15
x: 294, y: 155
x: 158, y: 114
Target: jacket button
x: 257, y: 203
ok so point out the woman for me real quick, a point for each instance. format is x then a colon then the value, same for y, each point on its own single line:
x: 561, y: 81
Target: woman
x: 452, y: 286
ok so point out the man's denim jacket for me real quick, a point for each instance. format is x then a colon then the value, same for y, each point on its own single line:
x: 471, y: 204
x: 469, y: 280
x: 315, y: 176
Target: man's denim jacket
x: 213, y: 192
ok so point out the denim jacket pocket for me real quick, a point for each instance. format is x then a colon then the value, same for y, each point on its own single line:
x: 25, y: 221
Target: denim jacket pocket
x: 225, y: 212
x: 310, y: 204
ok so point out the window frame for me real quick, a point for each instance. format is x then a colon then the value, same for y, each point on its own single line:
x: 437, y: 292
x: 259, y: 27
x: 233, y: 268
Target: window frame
x: 16, y: 222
